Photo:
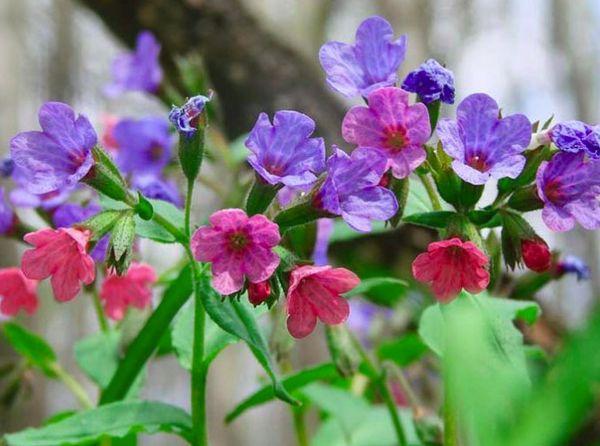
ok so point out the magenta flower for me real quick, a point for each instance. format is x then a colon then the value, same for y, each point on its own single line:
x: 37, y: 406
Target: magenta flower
x: 315, y: 292
x: 483, y: 145
x: 17, y: 292
x: 60, y: 155
x: 7, y: 216
x: 237, y: 246
x: 569, y: 186
x: 139, y: 70
x: 393, y: 127
x: 371, y: 63
x: 352, y: 189
x: 133, y: 289
x: 60, y: 254
x: 144, y: 145
x: 575, y: 136
x: 284, y: 152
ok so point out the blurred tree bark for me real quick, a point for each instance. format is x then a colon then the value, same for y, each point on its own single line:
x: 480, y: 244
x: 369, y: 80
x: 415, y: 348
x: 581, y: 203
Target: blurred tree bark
x: 249, y: 68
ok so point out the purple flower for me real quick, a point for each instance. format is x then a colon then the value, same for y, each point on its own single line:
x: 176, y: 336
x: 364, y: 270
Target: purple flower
x: 152, y: 186
x: 139, y: 70
x: 574, y: 265
x: 284, y: 152
x: 393, y: 127
x: 185, y: 118
x: 21, y: 198
x: 324, y: 232
x: 352, y: 188
x: 569, y: 186
x: 7, y: 217
x: 483, y: 145
x: 144, y: 144
x: 69, y: 214
x: 7, y: 166
x: 575, y: 136
x: 371, y: 63
x: 60, y: 155
x: 432, y: 82
x: 363, y: 317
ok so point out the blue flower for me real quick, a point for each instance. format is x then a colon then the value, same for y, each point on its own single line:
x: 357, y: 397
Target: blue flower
x: 432, y: 82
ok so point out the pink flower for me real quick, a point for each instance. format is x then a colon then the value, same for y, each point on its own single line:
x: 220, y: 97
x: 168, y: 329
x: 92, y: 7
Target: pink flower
x: 237, y: 246
x: 17, y: 292
x: 315, y: 292
x: 450, y: 265
x: 108, y: 140
x: 393, y: 127
x: 134, y: 289
x: 60, y: 254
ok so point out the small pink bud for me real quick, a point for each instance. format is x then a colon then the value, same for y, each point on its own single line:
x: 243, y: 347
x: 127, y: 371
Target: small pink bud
x: 536, y: 255
x: 259, y: 292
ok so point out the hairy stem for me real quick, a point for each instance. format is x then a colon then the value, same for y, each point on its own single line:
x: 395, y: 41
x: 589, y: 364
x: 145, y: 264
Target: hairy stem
x: 431, y: 192
x: 102, y: 320
x: 73, y: 385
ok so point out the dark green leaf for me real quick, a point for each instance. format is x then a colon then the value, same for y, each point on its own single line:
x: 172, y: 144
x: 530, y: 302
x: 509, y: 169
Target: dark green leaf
x: 114, y: 420
x: 298, y: 380
x: 403, y: 351
x: 436, y: 220
x: 380, y: 290
x: 32, y: 347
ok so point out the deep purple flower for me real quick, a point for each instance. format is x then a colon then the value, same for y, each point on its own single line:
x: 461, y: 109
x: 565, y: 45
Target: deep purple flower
x: 569, y: 186
x: 284, y: 152
x: 60, y: 155
x: 574, y: 265
x: 7, y: 166
x: 152, y: 186
x: 432, y: 82
x: 69, y: 214
x: 352, y: 188
x: 575, y: 136
x: 483, y: 145
x: 371, y: 63
x: 185, y: 118
x: 7, y: 217
x: 144, y: 145
x: 393, y: 127
x: 138, y: 70
x: 324, y: 232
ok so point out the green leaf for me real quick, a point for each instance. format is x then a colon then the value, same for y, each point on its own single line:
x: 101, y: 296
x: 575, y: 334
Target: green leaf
x: 525, y: 310
x: 298, y: 380
x: 32, y: 347
x: 146, y: 342
x: 380, y: 290
x: 113, y: 420
x: 435, y: 220
x: 403, y: 351
x: 236, y: 319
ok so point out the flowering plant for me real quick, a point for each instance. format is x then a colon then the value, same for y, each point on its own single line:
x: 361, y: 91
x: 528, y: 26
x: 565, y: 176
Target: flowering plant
x: 267, y: 250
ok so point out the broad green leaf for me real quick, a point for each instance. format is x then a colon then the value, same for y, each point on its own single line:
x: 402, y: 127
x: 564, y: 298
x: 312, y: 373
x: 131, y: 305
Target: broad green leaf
x: 380, y: 290
x: 146, y: 342
x: 32, y: 347
x: 293, y: 382
x: 236, y: 319
x: 114, y: 420
x: 435, y: 220
x: 403, y: 351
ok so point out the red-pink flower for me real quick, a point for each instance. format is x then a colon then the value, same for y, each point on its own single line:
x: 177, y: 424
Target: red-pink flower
x: 237, y: 246
x: 536, y: 255
x: 259, y: 292
x: 60, y: 254
x: 314, y: 292
x: 451, y: 265
x: 133, y: 289
x: 17, y: 292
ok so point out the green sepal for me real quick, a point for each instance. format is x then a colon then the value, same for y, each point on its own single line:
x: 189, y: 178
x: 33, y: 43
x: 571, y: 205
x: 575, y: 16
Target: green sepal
x: 120, y: 250
x: 534, y: 159
x: 191, y: 150
x: 101, y: 223
x: 526, y: 199
x: 514, y: 230
x: 342, y: 349
x: 104, y: 176
x: 400, y: 188
x: 260, y: 197
x: 460, y: 226
x: 144, y: 208
x: 433, y: 109
x: 435, y: 220
x: 299, y: 215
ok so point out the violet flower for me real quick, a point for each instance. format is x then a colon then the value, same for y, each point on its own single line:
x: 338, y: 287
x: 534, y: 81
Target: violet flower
x: 391, y: 126
x: 7, y: 216
x: 283, y: 152
x: 371, y: 63
x: 138, y: 70
x: 144, y: 144
x: 352, y: 189
x: 432, y: 82
x: 575, y: 136
x: 569, y: 186
x: 152, y: 186
x: 483, y: 145
x: 7, y: 166
x: 574, y: 265
x: 185, y: 118
x: 325, y: 228
x: 60, y: 155
x: 21, y: 198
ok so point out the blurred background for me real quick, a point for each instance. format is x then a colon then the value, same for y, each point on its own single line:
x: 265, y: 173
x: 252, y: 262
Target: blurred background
x: 538, y: 57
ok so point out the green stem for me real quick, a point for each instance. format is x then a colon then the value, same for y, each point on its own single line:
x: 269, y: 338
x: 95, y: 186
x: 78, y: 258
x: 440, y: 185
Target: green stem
x: 188, y: 207
x: 300, y: 426
x: 102, y: 320
x: 73, y: 385
x: 450, y: 422
x: 431, y: 192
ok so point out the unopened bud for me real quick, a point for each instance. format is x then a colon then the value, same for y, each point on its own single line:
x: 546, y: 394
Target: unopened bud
x: 259, y: 292
x: 536, y: 255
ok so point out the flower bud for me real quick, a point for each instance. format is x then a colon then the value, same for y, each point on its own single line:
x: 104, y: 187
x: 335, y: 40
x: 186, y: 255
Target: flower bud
x: 259, y: 292
x: 536, y: 255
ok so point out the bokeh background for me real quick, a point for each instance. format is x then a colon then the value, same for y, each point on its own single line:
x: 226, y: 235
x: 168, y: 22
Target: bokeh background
x: 538, y: 57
